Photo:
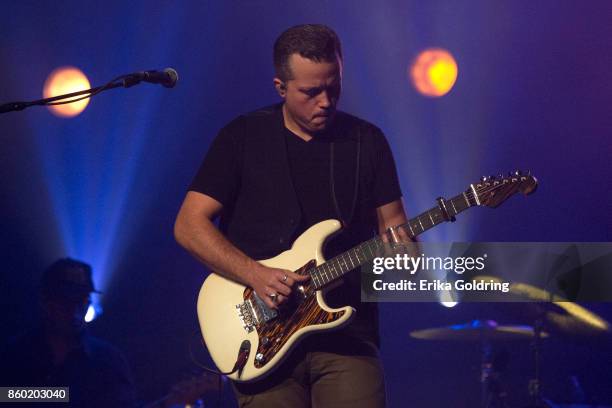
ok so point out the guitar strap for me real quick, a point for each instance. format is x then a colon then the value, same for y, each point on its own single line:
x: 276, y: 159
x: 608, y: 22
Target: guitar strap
x: 345, y: 221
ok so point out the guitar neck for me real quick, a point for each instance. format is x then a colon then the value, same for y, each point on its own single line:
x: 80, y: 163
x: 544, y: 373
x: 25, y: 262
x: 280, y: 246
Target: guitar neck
x: 370, y: 249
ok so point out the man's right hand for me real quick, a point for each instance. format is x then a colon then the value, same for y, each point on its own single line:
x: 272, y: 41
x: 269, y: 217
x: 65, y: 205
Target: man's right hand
x: 195, y: 231
x: 274, y: 285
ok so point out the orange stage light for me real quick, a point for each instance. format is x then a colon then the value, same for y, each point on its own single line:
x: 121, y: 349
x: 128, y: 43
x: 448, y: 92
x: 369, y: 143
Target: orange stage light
x: 434, y: 72
x: 65, y: 80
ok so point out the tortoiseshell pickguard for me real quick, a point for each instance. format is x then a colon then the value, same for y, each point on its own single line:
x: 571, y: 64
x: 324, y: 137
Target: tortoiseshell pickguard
x: 292, y: 317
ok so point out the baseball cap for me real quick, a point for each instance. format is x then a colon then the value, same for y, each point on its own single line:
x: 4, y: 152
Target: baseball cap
x: 68, y: 277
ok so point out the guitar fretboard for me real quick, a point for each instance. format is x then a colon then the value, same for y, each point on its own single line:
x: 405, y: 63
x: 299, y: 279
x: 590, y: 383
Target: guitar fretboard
x: 368, y: 250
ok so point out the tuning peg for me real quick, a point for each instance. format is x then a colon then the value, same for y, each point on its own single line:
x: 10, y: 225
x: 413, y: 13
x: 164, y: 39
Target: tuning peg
x: 500, y: 176
x: 483, y: 178
x: 517, y: 173
x: 491, y: 177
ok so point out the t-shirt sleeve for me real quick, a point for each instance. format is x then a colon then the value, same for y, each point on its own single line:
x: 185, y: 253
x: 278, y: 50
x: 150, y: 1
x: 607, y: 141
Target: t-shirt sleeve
x: 219, y: 173
x: 386, y: 188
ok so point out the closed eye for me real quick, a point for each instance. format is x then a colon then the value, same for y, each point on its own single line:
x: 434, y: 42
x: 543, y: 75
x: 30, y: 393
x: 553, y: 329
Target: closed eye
x: 312, y: 92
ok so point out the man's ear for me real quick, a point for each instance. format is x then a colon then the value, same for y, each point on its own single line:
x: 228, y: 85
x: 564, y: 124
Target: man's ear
x: 280, y: 86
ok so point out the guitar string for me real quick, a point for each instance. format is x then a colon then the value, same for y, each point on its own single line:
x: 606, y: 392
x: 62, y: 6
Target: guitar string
x: 468, y: 194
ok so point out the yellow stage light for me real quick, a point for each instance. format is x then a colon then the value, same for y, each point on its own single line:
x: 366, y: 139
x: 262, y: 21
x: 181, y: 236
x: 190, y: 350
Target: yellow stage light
x: 65, y: 80
x: 434, y: 72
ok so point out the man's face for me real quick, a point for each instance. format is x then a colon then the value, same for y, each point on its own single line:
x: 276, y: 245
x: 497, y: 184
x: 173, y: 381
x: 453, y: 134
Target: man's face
x: 66, y: 315
x: 312, y: 93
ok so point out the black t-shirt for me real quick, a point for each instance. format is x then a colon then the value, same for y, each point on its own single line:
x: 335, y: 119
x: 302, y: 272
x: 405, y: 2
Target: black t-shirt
x: 310, y: 167
x: 220, y: 172
x: 311, y: 172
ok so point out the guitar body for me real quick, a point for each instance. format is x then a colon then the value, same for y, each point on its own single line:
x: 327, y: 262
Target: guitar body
x: 230, y: 313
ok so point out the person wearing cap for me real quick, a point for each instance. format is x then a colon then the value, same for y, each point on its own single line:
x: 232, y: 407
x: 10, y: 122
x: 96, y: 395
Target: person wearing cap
x: 59, y: 352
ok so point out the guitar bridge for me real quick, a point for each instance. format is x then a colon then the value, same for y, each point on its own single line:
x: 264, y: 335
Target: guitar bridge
x: 254, y: 311
x: 247, y: 315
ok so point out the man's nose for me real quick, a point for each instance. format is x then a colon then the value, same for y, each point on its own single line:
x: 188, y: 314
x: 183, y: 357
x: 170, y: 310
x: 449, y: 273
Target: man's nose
x: 324, y: 99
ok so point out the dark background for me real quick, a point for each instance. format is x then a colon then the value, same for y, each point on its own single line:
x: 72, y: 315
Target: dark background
x: 533, y: 92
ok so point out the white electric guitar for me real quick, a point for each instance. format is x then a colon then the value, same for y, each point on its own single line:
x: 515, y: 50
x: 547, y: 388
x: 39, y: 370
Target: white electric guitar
x: 248, y: 339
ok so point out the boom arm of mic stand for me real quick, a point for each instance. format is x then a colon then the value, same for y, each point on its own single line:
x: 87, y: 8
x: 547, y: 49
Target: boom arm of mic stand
x: 126, y: 82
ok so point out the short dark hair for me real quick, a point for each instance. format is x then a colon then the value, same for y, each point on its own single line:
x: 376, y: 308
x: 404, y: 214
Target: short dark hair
x: 316, y: 42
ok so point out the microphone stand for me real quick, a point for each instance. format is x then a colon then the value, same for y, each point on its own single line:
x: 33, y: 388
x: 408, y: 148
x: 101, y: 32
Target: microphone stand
x: 125, y: 81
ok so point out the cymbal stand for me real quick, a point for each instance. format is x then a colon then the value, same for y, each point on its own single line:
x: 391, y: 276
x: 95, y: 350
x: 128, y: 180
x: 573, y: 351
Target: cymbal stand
x: 535, y: 391
x: 491, y: 393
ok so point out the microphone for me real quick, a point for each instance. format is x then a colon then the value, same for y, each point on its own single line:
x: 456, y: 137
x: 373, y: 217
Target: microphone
x: 168, y: 77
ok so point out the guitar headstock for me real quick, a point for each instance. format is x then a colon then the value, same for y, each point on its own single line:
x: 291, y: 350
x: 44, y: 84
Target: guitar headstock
x: 492, y: 191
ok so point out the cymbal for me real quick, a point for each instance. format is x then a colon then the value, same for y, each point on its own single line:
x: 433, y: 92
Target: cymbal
x: 574, y: 318
x: 477, y: 330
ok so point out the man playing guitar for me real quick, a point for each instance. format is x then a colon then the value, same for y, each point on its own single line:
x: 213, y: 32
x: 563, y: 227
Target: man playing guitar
x: 270, y: 175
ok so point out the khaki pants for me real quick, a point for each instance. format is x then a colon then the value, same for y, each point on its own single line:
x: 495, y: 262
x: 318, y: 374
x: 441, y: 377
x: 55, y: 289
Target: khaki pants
x: 326, y: 370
